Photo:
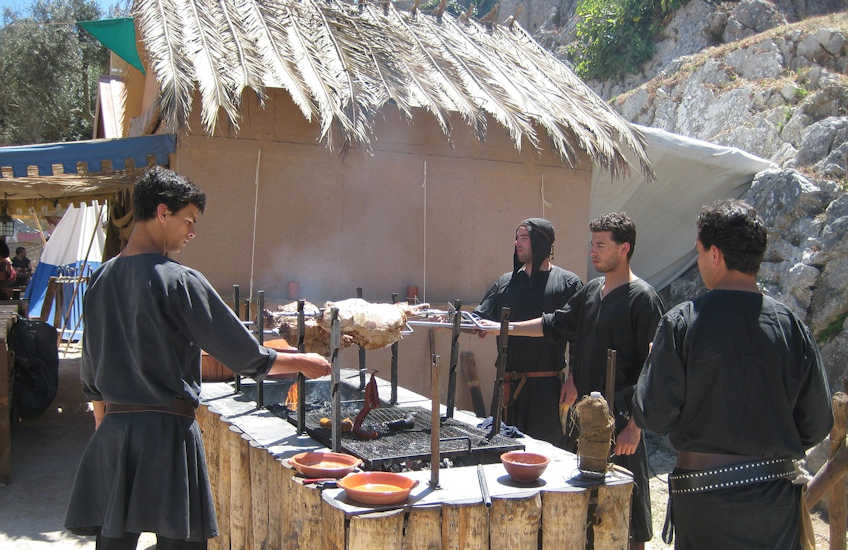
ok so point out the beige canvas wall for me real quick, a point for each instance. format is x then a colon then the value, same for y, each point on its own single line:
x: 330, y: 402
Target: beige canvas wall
x: 334, y: 222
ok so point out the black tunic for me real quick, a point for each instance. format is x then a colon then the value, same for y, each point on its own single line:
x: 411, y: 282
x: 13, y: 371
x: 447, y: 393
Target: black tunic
x: 623, y: 320
x: 736, y: 373
x: 535, y: 410
x: 146, y: 320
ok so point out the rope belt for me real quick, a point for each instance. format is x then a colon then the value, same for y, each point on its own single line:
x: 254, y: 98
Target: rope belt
x: 727, y: 474
x: 179, y: 407
x: 521, y: 378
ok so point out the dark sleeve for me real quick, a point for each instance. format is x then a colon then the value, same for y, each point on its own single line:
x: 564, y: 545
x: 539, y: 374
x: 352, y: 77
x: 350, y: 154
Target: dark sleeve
x: 660, y: 391
x: 489, y: 307
x: 646, y: 313
x: 813, y: 410
x: 87, y: 375
x: 216, y: 329
x: 562, y: 324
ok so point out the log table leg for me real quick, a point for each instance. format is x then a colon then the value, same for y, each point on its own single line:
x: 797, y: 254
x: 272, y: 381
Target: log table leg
x: 276, y: 502
x: 241, y: 532
x: 612, y: 517
x: 222, y: 497
x: 465, y: 527
x: 564, y: 519
x: 335, y: 530
x: 377, y: 531
x: 514, y: 523
x: 259, y: 495
x: 303, y: 528
x: 208, y: 422
x: 423, y: 529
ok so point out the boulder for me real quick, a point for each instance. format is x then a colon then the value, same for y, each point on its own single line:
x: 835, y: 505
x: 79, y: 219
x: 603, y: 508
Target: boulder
x: 783, y: 196
x: 751, y: 17
x: 830, y: 298
x: 761, y: 60
x: 818, y: 140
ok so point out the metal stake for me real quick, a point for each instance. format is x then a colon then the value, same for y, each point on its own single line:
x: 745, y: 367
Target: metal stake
x: 236, y: 310
x: 499, y: 380
x: 260, y: 326
x: 335, y: 380
x: 301, y: 379
x: 609, y: 387
x: 435, y: 419
x: 393, y: 400
x: 454, y: 356
x: 361, y: 353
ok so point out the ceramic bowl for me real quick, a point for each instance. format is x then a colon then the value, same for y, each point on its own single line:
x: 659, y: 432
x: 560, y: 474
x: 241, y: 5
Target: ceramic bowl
x: 380, y: 488
x: 318, y: 464
x: 524, y: 467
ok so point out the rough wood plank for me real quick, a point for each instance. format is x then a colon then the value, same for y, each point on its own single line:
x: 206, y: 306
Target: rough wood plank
x: 465, y: 527
x: 423, y: 529
x: 564, y: 519
x: 613, y: 517
x: 241, y: 527
x: 304, y: 516
x: 837, y: 509
x: 6, y: 362
x: 259, y: 495
x: 514, y: 523
x: 335, y: 528
x: 275, y: 502
x: 379, y: 531
x: 210, y: 428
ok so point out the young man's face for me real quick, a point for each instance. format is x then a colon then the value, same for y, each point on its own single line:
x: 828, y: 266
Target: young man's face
x: 523, y: 248
x: 606, y: 254
x: 180, y: 228
x: 706, y: 264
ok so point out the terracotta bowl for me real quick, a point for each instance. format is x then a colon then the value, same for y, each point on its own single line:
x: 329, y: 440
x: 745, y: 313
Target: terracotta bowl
x: 379, y: 488
x: 524, y: 467
x: 317, y: 464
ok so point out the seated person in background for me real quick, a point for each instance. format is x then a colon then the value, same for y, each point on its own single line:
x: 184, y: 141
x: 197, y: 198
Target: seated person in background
x: 7, y: 272
x: 22, y: 266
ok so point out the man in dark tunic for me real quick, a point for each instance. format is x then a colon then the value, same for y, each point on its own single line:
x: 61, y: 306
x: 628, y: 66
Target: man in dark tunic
x: 146, y: 319
x: 532, y: 288
x: 736, y: 380
x: 617, y: 311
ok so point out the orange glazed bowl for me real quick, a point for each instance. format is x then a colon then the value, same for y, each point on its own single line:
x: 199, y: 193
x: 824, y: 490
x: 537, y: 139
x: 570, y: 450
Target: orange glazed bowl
x: 524, y: 467
x: 324, y: 464
x: 378, y: 488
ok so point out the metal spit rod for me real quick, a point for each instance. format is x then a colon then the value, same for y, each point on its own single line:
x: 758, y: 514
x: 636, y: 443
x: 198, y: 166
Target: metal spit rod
x: 335, y: 379
x: 470, y: 321
x: 301, y: 379
x: 454, y: 356
x: 394, y: 398
x: 260, y: 335
x: 499, y: 379
x: 359, y: 294
x: 435, y: 422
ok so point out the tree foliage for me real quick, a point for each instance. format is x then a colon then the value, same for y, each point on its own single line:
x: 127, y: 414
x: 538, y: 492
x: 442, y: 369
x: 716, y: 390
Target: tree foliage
x: 50, y: 69
x: 615, y: 37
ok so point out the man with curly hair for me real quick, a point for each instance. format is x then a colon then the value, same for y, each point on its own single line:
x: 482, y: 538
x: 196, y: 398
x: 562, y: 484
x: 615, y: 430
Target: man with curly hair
x: 736, y: 380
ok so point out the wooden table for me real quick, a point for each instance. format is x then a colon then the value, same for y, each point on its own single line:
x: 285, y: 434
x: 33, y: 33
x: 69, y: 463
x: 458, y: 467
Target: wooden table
x: 261, y: 502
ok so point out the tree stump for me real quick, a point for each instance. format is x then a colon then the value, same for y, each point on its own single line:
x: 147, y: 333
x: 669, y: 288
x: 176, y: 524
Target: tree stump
x: 423, y: 529
x: 514, y: 522
x: 465, y: 527
x: 377, y: 531
x: 612, y: 528
x: 564, y: 519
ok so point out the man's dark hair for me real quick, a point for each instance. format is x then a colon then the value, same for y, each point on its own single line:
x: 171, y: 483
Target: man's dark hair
x: 4, y: 249
x: 19, y: 250
x: 737, y: 230
x: 162, y: 186
x: 620, y: 225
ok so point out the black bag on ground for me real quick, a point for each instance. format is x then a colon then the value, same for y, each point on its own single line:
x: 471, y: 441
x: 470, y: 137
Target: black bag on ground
x: 36, y: 367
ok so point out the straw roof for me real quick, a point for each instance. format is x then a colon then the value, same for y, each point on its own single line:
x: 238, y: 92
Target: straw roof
x: 342, y: 63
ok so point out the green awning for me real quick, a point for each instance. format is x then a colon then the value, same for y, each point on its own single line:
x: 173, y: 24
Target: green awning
x: 118, y: 35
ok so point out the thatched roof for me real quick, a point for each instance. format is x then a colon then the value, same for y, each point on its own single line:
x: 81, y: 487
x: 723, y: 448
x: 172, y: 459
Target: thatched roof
x: 342, y: 63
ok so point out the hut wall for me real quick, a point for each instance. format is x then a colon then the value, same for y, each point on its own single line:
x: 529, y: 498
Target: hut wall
x: 337, y: 221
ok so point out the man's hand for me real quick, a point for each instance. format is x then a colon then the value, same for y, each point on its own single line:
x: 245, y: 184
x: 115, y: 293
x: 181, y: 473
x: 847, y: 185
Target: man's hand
x: 312, y: 365
x: 628, y: 439
x: 487, y: 324
x: 568, y: 393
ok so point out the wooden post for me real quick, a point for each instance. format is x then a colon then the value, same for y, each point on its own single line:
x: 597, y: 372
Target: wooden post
x: 836, y: 510
x: 334, y: 528
x: 276, y: 502
x: 304, y: 521
x: 49, y: 294
x: 6, y: 363
x: 612, y: 517
x: 465, y: 527
x: 222, y: 496
x: 259, y: 494
x: 564, y: 519
x: 208, y: 422
x: 515, y: 522
x: 241, y: 532
x: 378, y: 531
x: 423, y: 528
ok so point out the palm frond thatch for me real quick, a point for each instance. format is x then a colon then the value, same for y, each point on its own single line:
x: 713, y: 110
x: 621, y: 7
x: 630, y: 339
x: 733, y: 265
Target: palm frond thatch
x: 342, y: 63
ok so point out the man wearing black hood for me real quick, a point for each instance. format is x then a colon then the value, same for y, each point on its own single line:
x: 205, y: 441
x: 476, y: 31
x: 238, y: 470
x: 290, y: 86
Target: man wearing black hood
x: 532, y: 288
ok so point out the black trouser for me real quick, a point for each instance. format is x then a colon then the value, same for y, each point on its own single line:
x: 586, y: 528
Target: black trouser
x: 130, y: 540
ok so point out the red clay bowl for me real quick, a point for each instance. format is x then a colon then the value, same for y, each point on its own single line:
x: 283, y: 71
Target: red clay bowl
x: 378, y: 488
x: 524, y: 467
x: 324, y: 464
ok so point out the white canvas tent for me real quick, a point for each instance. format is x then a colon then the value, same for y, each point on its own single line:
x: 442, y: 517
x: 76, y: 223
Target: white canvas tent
x: 689, y: 173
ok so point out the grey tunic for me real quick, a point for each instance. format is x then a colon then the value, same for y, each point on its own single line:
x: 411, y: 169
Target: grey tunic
x: 146, y: 319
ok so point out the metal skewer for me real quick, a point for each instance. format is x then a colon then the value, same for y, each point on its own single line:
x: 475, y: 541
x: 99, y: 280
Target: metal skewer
x: 454, y: 356
x: 435, y: 422
x: 301, y: 379
x: 484, y: 487
x: 236, y: 309
x: 335, y: 339
x: 260, y: 326
x: 394, y: 397
x: 361, y: 352
x: 499, y: 380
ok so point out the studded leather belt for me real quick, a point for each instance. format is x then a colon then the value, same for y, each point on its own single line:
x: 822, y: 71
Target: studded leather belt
x: 729, y: 476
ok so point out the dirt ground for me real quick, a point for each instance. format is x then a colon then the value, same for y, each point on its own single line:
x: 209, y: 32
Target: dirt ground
x: 45, y: 453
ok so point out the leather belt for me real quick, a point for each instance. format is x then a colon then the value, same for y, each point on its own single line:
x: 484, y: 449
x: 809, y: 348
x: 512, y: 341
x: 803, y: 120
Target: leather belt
x: 692, y: 460
x: 729, y: 476
x: 513, y: 376
x: 179, y: 407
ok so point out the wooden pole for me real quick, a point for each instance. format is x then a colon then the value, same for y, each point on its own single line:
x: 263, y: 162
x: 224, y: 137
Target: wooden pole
x: 209, y: 427
x: 515, y: 522
x: 564, y: 519
x: 241, y: 532
x: 377, y: 531
x: 612, y: 517
x: 222, y: 500
x: 465, y: 527
x: 259, y: 498
x: 276, y: 502
x: 423, y: 528
x: 335, y: 531
x: 468, y: 366
x: 609, y: 387
x: 836, y: 510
